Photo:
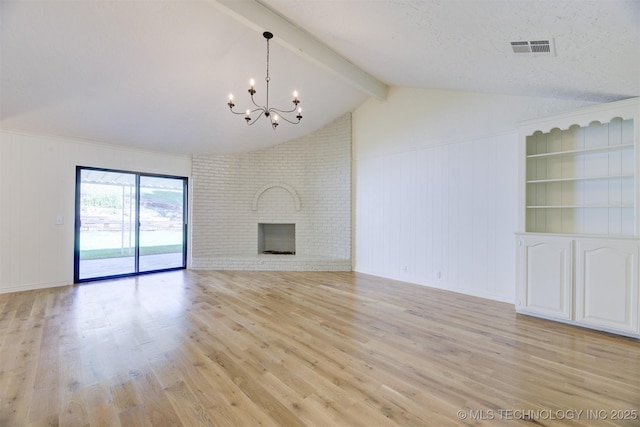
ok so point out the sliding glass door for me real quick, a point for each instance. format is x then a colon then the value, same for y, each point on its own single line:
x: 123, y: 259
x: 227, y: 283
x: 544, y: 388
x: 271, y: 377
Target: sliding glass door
x: 161, y: 223
x: 128, y: 223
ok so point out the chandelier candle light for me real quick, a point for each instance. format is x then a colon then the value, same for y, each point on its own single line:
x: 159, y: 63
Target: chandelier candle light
x: 274, y: 114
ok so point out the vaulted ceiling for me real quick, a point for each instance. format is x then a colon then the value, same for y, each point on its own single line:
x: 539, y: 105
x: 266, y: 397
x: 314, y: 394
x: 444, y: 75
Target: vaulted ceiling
x: 157, y: 74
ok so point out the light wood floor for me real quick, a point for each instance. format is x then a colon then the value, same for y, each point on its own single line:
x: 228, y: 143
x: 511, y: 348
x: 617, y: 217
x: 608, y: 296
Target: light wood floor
x: 291, y: 349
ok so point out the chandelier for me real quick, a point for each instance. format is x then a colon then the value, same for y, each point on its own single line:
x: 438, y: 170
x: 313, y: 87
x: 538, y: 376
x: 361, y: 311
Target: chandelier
x: 274, y: 114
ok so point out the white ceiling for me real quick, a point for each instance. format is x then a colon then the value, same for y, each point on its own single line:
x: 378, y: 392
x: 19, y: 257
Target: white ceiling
x: 157, y: 74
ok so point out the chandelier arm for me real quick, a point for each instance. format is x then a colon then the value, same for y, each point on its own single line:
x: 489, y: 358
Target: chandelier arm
x: 285, y: 119
x: 256, y: 119
x: 252, y: 111
x: 258, y: 105
x: 277, y: 110
x: 237, y: 112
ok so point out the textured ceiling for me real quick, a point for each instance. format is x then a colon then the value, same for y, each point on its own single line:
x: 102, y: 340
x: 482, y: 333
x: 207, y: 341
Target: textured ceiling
x: 465, y: 45
x: 156, y: 74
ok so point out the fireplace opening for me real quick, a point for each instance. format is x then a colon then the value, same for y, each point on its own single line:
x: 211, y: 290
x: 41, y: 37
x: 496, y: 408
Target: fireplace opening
x: 277, y: 239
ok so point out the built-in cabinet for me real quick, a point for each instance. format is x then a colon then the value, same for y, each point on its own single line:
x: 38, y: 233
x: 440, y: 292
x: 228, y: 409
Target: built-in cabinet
x: 546, y: 276
x: 606, y: 284
x: 578, y: 246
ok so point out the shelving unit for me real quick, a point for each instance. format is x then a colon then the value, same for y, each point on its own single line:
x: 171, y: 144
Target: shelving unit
x: 582, y: 179
x: 578, y: 249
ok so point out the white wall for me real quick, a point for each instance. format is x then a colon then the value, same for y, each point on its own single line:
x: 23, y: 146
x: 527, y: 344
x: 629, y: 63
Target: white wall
x: 306, y: 182
x: 37, y: 183
x: 434, y: 176
x: 436, y: 200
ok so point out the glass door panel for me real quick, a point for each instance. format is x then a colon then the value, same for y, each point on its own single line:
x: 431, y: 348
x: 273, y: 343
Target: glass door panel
x: 162, y: 230
x: 107, y: 217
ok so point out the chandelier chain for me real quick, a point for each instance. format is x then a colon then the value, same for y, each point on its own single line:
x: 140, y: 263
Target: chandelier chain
x: 267, y: 78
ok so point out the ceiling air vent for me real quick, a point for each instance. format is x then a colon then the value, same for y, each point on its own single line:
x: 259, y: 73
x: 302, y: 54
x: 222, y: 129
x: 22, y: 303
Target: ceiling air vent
x: 534, y: 47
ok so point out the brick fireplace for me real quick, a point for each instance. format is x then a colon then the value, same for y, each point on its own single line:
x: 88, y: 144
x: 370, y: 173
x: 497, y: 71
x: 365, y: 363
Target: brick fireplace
x: 302, y: 186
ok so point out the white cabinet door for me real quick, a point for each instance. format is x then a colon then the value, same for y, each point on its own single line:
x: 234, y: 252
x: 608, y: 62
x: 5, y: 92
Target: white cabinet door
x: 607, y: 284
x: 545, y: 276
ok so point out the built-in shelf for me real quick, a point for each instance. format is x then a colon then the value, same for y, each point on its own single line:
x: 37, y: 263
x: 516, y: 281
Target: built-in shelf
x: 577, y: 178
x: 582, y: 206
x: 582, y: 151
x: 581, y: 179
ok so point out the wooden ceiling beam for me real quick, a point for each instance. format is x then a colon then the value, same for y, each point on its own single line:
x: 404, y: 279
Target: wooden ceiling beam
x: 259, y: 17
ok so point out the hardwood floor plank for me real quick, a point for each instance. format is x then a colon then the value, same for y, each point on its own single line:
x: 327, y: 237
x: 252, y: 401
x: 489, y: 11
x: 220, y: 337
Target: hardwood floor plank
x: 190, y: 410
x: 254, y: 390
x: 16, y: 392
x: 46, y: 387
x: 232, y: 348
x: 100, y: 405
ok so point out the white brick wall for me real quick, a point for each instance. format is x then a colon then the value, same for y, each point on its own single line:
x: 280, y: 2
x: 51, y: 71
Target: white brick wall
x: 315, y: 168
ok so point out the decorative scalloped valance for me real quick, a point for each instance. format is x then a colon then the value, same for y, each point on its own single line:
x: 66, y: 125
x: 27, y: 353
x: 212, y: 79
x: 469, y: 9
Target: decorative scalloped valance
x: 600, y: 114
x: 550, y: 128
